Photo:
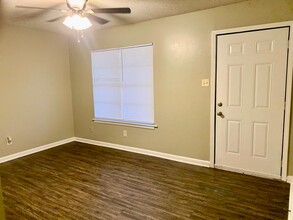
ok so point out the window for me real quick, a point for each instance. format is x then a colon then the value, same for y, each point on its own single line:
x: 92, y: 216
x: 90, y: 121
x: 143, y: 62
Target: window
x: 123, y: 85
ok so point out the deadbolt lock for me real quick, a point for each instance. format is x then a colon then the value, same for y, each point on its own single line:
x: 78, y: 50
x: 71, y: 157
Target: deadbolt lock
x: 220, y: 104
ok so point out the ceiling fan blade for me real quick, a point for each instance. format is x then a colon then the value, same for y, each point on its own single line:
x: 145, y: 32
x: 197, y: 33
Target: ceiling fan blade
x: 97, y: 19
x: 112, y: 10
x: 68, y: 5
x: 29, y: 7
x: 84, y: 5
x: 35, y: 13
x: 56, y: 19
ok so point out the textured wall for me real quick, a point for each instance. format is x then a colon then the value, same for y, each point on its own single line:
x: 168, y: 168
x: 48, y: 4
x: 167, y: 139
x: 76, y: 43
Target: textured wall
x: 35, y: 92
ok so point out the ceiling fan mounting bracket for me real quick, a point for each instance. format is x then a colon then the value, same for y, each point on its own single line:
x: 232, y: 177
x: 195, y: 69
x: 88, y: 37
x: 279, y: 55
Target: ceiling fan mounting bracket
x: 76, y: 7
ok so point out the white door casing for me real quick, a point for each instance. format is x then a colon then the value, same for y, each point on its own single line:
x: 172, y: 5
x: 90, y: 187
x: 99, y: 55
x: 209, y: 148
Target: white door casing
x: 250, y: 81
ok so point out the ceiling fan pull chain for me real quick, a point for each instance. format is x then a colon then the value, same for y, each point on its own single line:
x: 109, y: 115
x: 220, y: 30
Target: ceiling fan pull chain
x: 78, y: 36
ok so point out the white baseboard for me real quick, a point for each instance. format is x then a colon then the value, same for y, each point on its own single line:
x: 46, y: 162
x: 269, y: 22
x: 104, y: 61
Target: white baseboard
x: 182, y: 159
x: 290, y: 179
x: 35, y: 150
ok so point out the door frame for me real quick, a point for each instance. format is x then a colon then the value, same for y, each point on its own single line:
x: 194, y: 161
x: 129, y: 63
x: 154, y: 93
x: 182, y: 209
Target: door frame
x: 286, y: 130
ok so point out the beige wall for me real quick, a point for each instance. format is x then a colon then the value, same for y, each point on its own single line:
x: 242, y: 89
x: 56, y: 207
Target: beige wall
x: 182, y: 57
x: 290, y: 153
x: 35, y: 92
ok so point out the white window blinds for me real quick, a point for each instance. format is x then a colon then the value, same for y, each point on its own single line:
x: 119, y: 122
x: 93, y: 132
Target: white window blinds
x: 123, y: 84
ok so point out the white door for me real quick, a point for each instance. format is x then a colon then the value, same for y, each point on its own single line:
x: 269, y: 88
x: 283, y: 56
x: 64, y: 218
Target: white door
x: 250, y: 94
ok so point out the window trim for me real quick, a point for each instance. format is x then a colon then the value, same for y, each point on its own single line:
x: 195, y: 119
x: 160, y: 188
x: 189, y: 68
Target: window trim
x: 125, y: 123
x: 126, y: 47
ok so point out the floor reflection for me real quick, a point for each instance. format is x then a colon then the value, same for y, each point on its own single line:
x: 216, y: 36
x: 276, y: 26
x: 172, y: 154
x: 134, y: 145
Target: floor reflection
x: 2, y: 216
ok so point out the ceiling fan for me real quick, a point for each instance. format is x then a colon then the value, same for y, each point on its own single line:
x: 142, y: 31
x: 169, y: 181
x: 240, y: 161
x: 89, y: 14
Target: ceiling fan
x: 78, y: 17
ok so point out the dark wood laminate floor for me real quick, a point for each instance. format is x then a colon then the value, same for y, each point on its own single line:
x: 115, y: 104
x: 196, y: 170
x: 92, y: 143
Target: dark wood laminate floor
x: 80, y: 181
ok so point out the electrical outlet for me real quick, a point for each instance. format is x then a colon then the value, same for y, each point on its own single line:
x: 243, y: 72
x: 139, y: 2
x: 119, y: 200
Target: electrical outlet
x: 91, y: 129
x: 205, y: 82
x: 9, y: 140
x: 124, y: 133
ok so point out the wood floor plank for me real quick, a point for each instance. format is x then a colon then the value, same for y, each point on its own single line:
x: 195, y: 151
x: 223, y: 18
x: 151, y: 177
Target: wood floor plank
x: 80, y: 181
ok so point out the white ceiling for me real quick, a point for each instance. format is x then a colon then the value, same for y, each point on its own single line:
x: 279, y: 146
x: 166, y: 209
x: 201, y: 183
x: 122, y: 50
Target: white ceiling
x: 142, y: 10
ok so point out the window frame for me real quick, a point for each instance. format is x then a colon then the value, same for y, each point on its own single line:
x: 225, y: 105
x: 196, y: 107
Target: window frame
x: 118, y: 122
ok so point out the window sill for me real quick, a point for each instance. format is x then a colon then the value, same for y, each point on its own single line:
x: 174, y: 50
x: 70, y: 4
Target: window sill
x: 125, y: 123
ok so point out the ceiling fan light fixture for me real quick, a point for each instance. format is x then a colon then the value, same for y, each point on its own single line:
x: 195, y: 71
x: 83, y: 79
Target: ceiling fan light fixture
x: 77, y: 22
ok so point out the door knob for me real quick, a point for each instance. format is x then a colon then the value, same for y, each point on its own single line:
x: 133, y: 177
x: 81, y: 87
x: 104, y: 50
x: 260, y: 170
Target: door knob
x: 220, y: 114
x: 220, y: 104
